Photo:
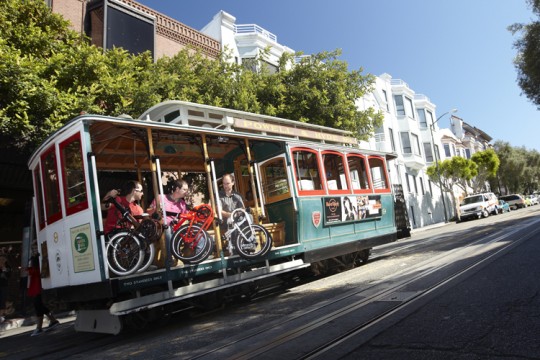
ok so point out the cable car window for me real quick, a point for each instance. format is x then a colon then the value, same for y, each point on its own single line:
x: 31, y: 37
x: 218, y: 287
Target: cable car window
x: 358, y: 172
x: 50, y: 186
x: 274, y: 180
x: 334, y: 168
x: 73, y: 172
x: 378, y: 174
x: 39, y: 198
x: 306, y: 166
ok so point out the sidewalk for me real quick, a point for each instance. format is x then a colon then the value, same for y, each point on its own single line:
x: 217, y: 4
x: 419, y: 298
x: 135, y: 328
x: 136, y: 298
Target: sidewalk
x: 19, y: 325
x: 432, y: 226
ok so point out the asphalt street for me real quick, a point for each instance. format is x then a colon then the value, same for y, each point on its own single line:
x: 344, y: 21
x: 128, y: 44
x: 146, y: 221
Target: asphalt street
x: 492, y: 314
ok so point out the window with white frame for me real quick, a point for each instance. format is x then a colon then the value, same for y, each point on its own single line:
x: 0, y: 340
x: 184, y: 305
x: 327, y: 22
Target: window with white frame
x: 409, y: 109
x: 422, y: 118
x: 415, y: 144
x: 406, y: 142
x: 391, y: 134
x: 408, y: 182
x: 429, y: 117
x: 468, y: 153
x: 428, y: 152
x: 385, y: 95
x: 400, y: 108
x: 447, y: 150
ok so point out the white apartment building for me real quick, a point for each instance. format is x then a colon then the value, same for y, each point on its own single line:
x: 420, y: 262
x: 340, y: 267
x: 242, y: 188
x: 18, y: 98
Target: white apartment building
x: 467, y: 139
x: 462, y: 139
x: 406, y: 132
x: 245, y: 42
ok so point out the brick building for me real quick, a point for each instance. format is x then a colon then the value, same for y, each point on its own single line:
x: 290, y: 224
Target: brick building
x: 135, y: 27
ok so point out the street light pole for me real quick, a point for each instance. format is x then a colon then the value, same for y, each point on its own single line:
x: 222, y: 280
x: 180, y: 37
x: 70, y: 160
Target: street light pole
x: 431, y: 127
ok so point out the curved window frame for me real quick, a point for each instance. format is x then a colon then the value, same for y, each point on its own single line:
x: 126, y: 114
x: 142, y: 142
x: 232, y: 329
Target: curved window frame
x: 38, y: 191
x: 386, y: 189
x: 345, y: 172
x: 322, y: 190
x: 367, y: 173
x: 282, y: 190
x: 83, y: 205
x: 51, y: 191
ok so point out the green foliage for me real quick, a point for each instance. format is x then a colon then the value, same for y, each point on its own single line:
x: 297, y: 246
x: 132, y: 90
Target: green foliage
x: 320, y: 90
x: 527, y: 60
x: 488, y: 163
x: 519, y: 170
x: 50, y: 74
x: 455, y: 171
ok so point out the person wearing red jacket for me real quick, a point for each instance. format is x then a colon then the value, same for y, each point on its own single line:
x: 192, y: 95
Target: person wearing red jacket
x: 132, y: 193
x: 34, y: 291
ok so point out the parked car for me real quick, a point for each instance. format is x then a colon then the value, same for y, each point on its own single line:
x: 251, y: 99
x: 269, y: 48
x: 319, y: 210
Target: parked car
x: 515, y: 201
x: 503, y: 206
x: 479, y: 205
x: 533, y: 198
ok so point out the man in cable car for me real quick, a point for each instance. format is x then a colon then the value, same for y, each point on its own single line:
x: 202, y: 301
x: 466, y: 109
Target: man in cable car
x: 230, y: 199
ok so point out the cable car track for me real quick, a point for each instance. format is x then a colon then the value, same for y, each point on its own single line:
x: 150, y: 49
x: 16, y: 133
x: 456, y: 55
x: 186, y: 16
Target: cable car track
x: 357, y: 313
x: 272, y: 341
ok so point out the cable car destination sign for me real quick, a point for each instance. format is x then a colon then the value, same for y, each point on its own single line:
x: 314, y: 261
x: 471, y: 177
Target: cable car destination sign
x: 295, y: 131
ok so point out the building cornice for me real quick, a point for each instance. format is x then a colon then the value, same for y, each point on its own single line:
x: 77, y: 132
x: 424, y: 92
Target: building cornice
x: 179, y: 32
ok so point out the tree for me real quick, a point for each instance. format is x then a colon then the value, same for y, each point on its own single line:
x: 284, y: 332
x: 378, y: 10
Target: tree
x: 519, y: 171
x: 456, y: 171
x: 487, y: 163
x: 527, y: 60
x: 50, y: 74
x: 320, y: 90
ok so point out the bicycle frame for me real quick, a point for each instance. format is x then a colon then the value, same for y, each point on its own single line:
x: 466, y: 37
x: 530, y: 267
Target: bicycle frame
x: 201, y: 215
x: 149, y: 229
x: 234, y: 226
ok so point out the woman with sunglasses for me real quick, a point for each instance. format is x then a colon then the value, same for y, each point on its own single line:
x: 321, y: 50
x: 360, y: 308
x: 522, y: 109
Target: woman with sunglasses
x: 134, y: 193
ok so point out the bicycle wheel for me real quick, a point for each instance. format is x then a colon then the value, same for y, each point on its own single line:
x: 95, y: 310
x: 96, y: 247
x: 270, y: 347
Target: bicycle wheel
x: 252, y: 242
x: 183, y: 241
x: 124, y: 253
x: 112, y: 248
x: 149, y: 253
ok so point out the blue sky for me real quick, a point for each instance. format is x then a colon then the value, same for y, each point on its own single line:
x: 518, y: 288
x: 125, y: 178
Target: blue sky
x: 458, y: 53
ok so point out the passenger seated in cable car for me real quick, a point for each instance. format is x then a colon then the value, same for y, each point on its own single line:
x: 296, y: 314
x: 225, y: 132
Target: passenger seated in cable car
x: 134, y: 193
x: 174, y: 201
x: 230, y: 199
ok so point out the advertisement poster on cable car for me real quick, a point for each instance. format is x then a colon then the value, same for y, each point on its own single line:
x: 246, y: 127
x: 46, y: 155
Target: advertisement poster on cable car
x: 332, y: 210
x: 368, y: 207
x: 351, y: 208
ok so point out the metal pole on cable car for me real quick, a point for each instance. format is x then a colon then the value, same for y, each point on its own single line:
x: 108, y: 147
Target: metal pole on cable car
x: 213, y: 193
x: 252, y: 182
x: 163, y: 253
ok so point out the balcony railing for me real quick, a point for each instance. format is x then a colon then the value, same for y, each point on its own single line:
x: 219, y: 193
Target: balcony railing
x: 254, y: 29
x: 381, y: 144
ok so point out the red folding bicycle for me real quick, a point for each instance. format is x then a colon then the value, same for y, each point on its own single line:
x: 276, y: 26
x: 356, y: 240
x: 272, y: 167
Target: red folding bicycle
x: 190, y: 241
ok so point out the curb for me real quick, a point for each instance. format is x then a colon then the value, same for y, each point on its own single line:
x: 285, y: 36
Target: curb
x: 432, y: 226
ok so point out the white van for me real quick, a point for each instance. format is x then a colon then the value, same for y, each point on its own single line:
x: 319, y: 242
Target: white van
x: 478, y: 206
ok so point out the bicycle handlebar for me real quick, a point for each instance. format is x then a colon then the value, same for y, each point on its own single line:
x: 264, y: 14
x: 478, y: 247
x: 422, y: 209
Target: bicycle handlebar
x: 126, y: 214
